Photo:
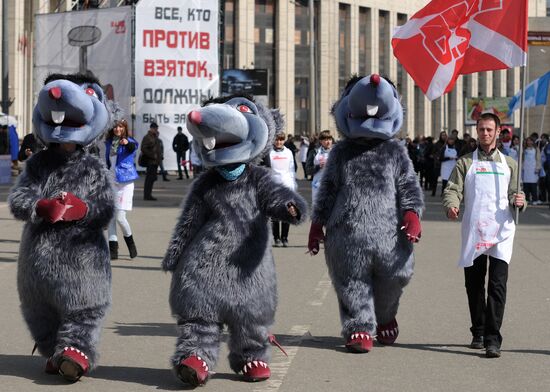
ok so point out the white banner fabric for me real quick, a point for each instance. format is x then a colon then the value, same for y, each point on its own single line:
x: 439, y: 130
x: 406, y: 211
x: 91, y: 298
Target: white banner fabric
x: 176, y: 65
x: 97, y: 40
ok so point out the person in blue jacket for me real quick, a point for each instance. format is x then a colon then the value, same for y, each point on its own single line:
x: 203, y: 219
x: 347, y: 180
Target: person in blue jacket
x: 120, y: 154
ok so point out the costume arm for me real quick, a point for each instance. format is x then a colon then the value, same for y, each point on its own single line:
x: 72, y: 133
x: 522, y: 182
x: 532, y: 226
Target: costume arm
x: 26, y: 193
x: 328, y: 189
x: 191, y: 220
x: 99, y: 198
x: 275, y: 199
x: 409, y: 192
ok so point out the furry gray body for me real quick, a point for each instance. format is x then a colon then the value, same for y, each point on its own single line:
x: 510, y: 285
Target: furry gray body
x: 64, y: 271
x: 223, y: 265
x: 363, y: 194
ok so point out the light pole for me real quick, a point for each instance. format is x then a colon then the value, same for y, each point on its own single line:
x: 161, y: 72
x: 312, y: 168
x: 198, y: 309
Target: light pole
x: 5, y: 60
x: 312, y: 73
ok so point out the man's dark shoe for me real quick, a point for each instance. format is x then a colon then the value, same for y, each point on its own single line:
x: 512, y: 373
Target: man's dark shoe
x: 492, y: 352
x: 477, y: 343
x: 150, y: 198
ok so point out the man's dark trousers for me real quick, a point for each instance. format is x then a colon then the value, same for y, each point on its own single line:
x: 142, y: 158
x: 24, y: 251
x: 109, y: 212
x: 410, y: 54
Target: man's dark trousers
x: 150, y: 178
x: 486, y: 315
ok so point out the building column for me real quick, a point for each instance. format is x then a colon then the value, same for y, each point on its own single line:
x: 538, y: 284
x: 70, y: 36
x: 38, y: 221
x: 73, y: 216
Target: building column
x: 244, y: 34
x: 375, y: 40
x: 328, y: 61
x: 354, y: 39
x: 284, y: 64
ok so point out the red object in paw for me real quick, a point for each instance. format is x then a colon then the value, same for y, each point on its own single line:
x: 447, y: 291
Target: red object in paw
x: 73, y: 364
x: 411, y: 225
x: 50, y: 209
x: 387, y: 334
x: 192, y: 370
x: 256, y: 371
x: 359, y: 342
x: 76, y: 209
x: 65, y: 208
x: 316, y: 235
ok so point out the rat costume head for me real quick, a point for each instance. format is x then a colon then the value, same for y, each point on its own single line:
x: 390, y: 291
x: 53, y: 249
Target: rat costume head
x: 368, y: 108
x: 234, y: 129
x: 70, y: 109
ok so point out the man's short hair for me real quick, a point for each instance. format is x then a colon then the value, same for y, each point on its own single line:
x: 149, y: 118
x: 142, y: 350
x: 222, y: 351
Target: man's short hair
x: 180, y: 129
x: 489, y: 116
x: 154, y: 125
x: 325, y: 135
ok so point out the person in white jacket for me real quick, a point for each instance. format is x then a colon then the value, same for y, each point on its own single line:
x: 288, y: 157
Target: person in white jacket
x: 281, y: 161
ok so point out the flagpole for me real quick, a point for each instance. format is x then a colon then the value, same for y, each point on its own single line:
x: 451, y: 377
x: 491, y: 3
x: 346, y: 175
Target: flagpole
x: 542, y: 119
x: 521, y: 126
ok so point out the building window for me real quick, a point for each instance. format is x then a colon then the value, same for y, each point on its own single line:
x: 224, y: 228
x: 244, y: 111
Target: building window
x: 365, y: 41
x: 384, y: 40
x: 344, y: 24
x: 302, y: 68
x: 264, y: 48
x: 228, y: 59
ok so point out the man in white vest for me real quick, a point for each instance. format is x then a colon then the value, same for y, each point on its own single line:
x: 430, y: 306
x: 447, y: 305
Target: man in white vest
x: 486, y: 181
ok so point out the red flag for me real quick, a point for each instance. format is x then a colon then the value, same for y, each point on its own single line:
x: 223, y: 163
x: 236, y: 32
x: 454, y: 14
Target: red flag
x: 448, y: 38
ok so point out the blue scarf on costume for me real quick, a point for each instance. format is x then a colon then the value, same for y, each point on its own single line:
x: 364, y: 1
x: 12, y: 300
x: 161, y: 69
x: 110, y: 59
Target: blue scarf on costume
x: 231, y: 174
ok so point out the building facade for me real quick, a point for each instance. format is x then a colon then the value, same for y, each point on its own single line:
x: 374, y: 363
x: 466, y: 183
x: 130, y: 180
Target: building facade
x: 350, y: 37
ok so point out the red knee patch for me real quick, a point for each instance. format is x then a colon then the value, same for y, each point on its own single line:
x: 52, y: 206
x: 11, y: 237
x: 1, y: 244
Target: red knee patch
x: 359, y: 342
x: 256, y: 371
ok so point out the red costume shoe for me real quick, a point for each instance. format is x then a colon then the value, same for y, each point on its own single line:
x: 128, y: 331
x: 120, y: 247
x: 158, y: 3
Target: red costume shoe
x: 359, y: 342
x: 192, y: 370
x: 73, y: 364
x: 51, y: 367
x: 387, y: 334
x: 256, y: 371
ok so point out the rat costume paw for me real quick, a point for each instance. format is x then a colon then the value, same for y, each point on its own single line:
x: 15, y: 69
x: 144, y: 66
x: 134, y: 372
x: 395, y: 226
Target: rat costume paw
x: 359, y: 342
x: 192, y: 370
x: 73, y: 364
x: 66, y: 207
x: 293, y: 211
x: 75, y: 210
x: 51, y: 210
x: 316, y: 235
x: 387, y: 334
x: 411, y: 226
x: 256, y: 371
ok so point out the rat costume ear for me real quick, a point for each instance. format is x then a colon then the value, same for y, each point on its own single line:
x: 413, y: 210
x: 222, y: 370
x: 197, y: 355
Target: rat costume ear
x: 278, y: 119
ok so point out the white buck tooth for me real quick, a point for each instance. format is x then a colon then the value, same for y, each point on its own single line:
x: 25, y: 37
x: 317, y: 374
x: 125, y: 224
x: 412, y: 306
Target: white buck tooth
x: 209, y: 142
x: 372, y: 110
x: 58, y: 117
x: 255, y: 363
x: 245, y: 369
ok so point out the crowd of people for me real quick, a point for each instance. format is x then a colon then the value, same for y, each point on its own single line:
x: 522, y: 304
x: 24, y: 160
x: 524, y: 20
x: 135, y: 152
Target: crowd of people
x: 436, y: 159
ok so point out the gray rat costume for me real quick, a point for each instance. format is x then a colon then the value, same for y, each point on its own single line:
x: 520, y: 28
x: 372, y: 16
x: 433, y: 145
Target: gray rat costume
x: 220, y: 253
x: 370, y: 202
x: 66, y: 200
